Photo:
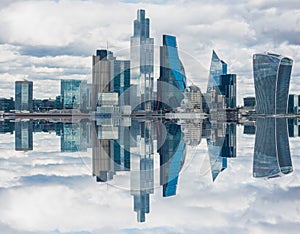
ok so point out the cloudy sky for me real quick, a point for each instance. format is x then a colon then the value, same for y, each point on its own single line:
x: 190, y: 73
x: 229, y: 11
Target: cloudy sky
x: 46, y: 41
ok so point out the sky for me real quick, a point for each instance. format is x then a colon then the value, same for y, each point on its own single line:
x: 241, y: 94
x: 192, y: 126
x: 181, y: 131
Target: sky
x: 45, y: 41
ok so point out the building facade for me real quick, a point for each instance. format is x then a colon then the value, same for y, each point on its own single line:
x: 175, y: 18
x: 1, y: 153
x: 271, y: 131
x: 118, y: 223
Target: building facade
x: 171, y: 84
x: 142, y: 60
x: 271, y: 80
x: 73, y: 94
x: 23, y: 95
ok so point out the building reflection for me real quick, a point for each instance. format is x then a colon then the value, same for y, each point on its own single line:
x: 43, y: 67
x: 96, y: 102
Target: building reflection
x: 153, y: 152
x: 272, y: 156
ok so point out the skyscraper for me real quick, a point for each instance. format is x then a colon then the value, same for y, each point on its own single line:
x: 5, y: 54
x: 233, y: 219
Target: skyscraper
x: 23, y: 95
x: 227, y: 88
x: 217, y: 68
x: 101, y: 74
x: 110, y: 75
x: 271, y: 80
x: 73, y: 94
x: 142, y: 59
x: 172, y: 81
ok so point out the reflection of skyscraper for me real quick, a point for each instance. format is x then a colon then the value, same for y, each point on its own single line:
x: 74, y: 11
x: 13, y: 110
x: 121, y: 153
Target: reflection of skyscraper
x: 141, y: 58
x: 23, y: 95
x: 141, y: 166
x: 74, y: 138
x: 172, y: 81
x: 271, y: 79
x: 221, y: 145
x: 172, y: 155
x: 271, y: 151
x: 23, y: 135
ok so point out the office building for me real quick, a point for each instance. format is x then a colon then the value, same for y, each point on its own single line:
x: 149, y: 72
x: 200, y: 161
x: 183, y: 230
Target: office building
x: 23, y: 95
x: 73, y: 137
x: 227, y: 88
x: 141, y: 59
x: 217, y: 68
x: 293, y: 104
x: 7, y: 104
x: 73, y: 94
x: 249, y: 102
x: 171, y: 84
x: 271, y: 80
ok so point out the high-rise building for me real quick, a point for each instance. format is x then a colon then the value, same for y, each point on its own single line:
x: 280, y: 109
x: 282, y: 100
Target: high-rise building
x: 293, y: 104
x: 271, y: 150
x: 217, y: 68
x: 23, y: 135
x: 271, y: 80
x: 249, y: 102
x: 110, y: 75
x: 73, y: 137
x: 23, y: 95
x: 73, y: 94
x: 171, y: 84
x: 227, y: 88
x: 141, y: 59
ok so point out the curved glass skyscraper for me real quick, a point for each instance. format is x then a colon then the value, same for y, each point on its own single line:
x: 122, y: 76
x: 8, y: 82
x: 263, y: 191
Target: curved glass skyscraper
x: 271, y: 79
x: 172, y: 81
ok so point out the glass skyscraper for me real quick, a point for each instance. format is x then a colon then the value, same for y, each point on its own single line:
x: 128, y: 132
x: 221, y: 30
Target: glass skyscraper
x: 271, y: 79
x: 142, y: 59
x: 73, y: 94
x: 23, y: 135
x: 23, y: 95
x: 172, y: 81
x: 217, y: 68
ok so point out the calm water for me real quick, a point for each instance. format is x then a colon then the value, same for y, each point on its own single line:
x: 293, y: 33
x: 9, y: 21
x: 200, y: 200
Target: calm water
x: 135, y: 175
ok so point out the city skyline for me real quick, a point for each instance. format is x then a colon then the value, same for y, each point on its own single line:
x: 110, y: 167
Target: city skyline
x: 47, y: 61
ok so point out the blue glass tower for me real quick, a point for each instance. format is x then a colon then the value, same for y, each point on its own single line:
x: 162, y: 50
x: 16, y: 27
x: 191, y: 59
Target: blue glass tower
x: 217, y: 68
x: 271, y: 79
x: 172, y: 81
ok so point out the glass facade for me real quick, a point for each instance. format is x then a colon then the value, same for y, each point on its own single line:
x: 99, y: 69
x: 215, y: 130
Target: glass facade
x: 271, y: 150
x: 74, y: 94
x: 142, y: 60
x: 227, y: 88
x: 23, y: 136
x: 271, y: 79
x: 171, y: 84
x: 23, y: 95
x: 217, y: 68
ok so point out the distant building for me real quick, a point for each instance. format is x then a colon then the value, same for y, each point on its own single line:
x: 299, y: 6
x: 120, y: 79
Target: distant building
x: 73, y: 94
x: 142, y: 60
x: 171, y: 84
x: 7, y: 104
x: 23, y: 95
x: 227, y: 88
x: 249, y: 102
x: 293, y: 104
x: 272, y: 74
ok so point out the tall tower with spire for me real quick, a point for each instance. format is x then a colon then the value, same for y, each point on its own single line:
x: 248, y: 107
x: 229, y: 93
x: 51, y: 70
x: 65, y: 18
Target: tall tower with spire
x: 142, y: 59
